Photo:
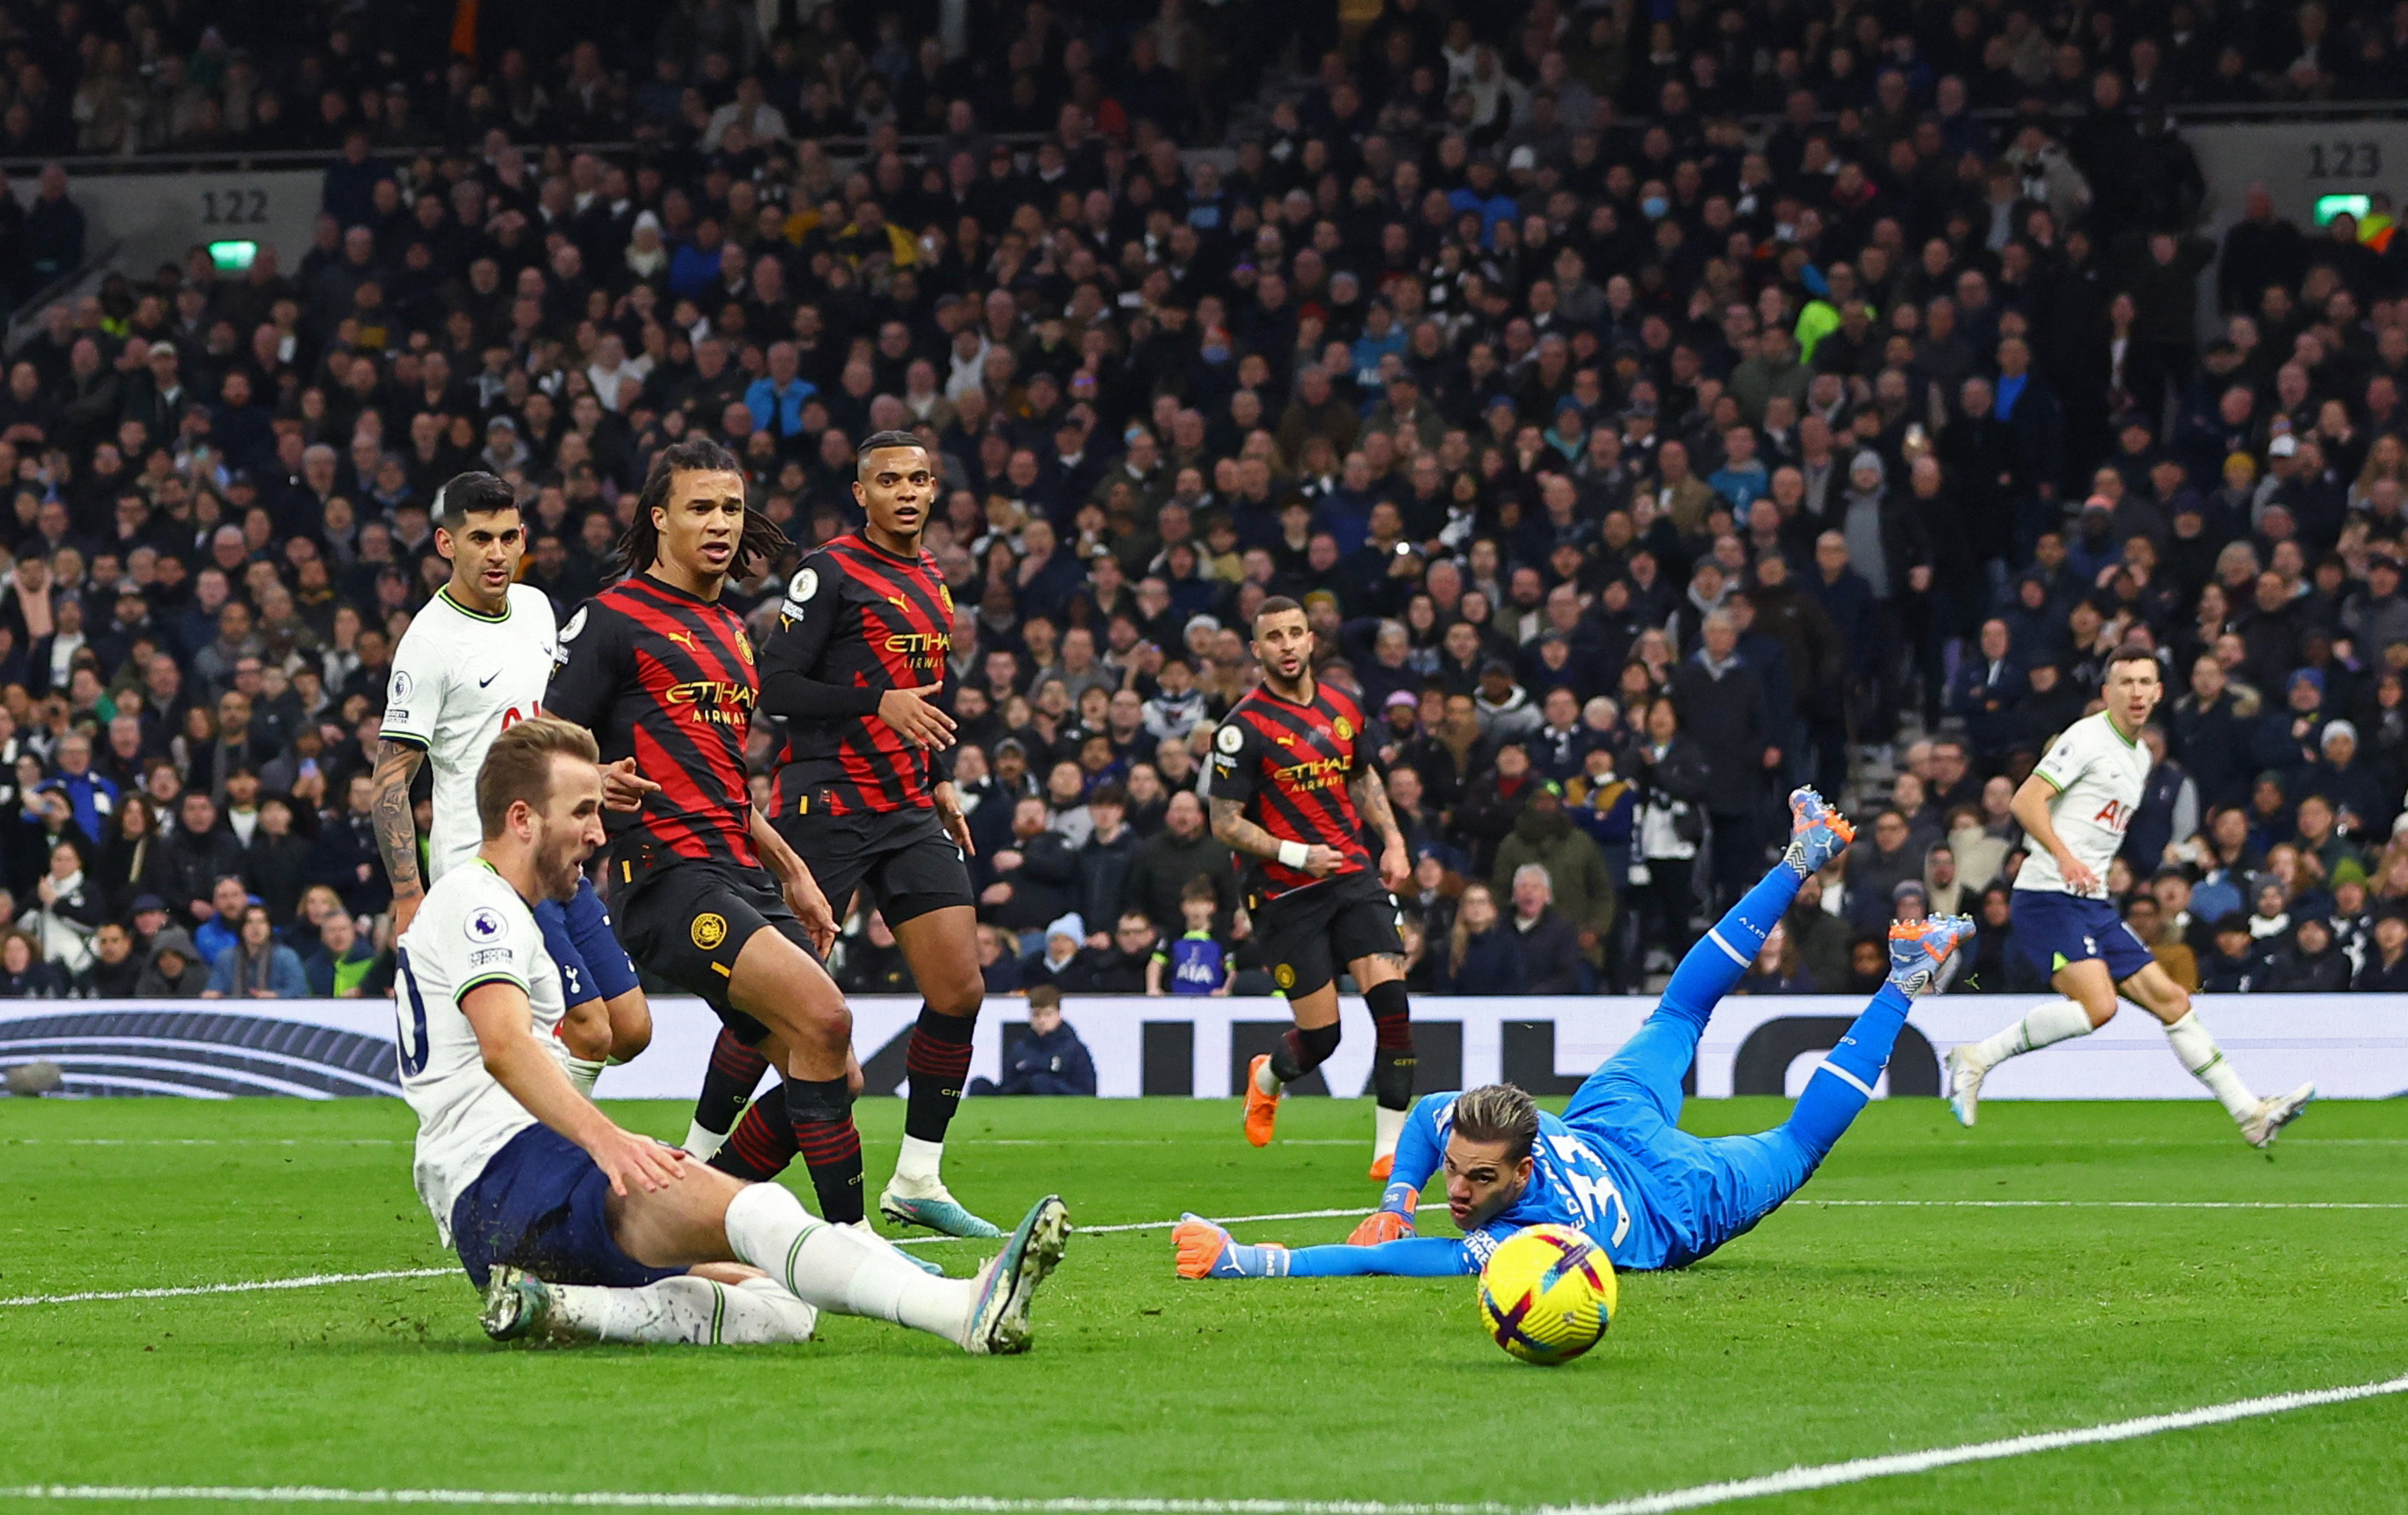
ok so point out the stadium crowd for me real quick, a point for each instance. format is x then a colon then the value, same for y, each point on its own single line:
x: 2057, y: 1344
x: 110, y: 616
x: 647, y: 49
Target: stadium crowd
x: 1652, y: 409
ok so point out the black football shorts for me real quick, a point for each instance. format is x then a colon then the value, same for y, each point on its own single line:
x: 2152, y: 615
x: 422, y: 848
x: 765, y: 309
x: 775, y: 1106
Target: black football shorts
x: 1309, y: 935
x: 903, y: 857
x: 688, y: 922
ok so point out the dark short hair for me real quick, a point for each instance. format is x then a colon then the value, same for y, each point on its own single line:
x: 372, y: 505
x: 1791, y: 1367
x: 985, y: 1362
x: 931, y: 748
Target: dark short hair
x: 1044, y: 997
x: 472, y: 492
x: 2130, y: 653
x: 1276, y: 605
x: 880, y: 441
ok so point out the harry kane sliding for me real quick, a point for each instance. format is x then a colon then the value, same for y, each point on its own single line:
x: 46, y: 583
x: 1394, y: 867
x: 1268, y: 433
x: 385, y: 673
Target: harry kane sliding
x: 574, y: 1227
x: 1617, y: 1167
x: 2075, y: 810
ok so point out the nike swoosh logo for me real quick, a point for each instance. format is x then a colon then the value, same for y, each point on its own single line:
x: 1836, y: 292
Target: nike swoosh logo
x: 489, y: 678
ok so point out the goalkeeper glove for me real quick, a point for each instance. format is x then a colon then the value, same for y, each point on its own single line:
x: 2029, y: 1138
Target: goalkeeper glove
x: 1392, y: 1221
x: 1205, y: 1250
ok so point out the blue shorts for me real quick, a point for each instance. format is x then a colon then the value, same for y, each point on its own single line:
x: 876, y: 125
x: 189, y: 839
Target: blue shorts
x: 577, y: 934
x: 541, y: 1204
x: 2052, y: 929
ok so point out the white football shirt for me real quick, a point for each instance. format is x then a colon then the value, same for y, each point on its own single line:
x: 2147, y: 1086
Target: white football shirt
x: 2100, y: 775
x: 458, y: 679
x: 473, y: 930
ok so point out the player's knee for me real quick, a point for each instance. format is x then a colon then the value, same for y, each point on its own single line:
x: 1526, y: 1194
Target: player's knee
x: 960, y: 998
x: 1318, y: 1042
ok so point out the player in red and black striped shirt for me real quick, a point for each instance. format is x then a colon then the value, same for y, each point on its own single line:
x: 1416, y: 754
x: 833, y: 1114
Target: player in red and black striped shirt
x: 1292, y: 783
x: 661, y: 671
x: 855, y: 666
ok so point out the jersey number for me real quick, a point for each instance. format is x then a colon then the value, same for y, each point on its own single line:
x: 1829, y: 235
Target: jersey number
x: 1594, y: 1195
x: 413, y: 1030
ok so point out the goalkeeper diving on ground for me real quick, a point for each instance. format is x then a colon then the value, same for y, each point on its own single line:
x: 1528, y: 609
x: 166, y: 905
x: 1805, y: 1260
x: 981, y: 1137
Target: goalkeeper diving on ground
x: 1616, y: 1165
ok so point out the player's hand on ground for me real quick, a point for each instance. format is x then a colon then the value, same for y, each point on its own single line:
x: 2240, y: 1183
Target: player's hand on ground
x: 623, y: 788
x: 628, y: 1160
x: 404, y: 909
x: 914, y: 719
x: 1321, y: 861
x: 1396, y: 868
x: 1379, y: 1227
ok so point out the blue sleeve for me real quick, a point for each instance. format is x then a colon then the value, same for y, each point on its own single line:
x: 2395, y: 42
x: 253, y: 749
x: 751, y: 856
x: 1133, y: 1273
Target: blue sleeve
x: 1080, y: 1071
x: 1415, y: 1257
x: 1417, y: 1153
x: 222, y: 974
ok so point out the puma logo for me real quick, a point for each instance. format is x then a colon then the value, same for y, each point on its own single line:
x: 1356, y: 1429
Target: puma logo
x: 681, y: 638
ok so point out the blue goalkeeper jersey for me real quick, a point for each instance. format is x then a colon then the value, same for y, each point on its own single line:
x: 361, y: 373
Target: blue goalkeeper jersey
x: 1575, y: 1180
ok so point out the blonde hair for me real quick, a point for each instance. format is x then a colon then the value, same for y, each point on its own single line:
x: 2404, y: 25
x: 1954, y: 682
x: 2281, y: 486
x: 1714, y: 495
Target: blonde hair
x: 518, y: 766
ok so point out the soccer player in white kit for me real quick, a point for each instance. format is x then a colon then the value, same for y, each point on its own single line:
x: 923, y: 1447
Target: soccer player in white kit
x: 475, y: 661
x: 576, y: 1228
x: 2074, y: 809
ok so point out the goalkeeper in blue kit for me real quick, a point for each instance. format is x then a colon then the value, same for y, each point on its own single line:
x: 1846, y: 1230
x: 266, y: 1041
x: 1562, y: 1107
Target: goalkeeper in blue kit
x: 1616, y: 1165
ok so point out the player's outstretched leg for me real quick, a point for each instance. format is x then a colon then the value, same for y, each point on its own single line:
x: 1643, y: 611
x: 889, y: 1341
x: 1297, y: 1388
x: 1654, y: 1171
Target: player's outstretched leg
x: 941, y: 947
x: 1713, y: 966
x: 735, y: 1072
x: 1923, y: 955
x: 1752, y: 1176
x: 1659, y: 1055
x: 689, y: 1310
x: 2044, y: 1025
x: 2259, y: 1119
x: 837, y: 1267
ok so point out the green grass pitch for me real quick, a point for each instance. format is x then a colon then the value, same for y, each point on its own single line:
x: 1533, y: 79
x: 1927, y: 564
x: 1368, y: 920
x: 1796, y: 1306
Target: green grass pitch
x: 1832, y: 1332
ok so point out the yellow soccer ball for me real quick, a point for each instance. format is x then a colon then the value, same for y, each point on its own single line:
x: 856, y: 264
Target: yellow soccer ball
x: 1547, y: 1294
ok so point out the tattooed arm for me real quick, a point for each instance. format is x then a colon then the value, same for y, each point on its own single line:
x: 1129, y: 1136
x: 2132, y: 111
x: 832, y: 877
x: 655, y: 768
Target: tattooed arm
x: 397, y: 829
x: 1371, y: 795
x: 1239, y: 834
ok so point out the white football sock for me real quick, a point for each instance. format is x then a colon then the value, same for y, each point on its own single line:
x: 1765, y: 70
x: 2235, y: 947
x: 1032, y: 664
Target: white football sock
x: 582, y: 1071
x: 2060, y: 1020
x: 689, y: 1311
x: 1386, y: 1126
x: 837, y: 1268
x: 2206, y: 1061
x: 1265, y: 1079
x: 918, y: 1166
x: 702, y: 1143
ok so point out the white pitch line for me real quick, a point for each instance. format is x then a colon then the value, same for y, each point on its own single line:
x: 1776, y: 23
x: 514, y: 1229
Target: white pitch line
x: 203, y: 1141
x: 2111, y: 1204
x: 311, y: 1280
x: 1698, y: 1497
x: 965, y: 1504
x: 316, y: 1280
x: 1862, y: 1469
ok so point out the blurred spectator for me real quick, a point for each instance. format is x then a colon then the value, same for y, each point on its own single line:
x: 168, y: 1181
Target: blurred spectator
x: 257, y: 965
x: 1485, y: 956
x: 1196, y: 962
x: 343, y: 960
x: 1549, y: 943
x: 1049, y: 1060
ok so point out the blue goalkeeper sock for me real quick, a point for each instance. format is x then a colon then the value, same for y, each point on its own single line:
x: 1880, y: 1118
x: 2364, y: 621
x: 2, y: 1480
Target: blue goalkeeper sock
x: 1720, y: 959
x: 1845, y: 1082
